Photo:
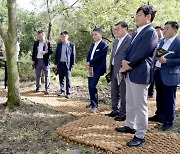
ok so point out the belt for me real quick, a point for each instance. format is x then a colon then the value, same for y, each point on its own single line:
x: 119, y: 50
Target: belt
x: 62, y: 62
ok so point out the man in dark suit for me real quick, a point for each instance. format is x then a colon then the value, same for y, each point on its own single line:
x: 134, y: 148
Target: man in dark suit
x: 118, y: 89
x: 138, y: 66
x: 96, y: 64
x: 167, y: 76
x: 159, y: 30
x: 65, y: 63
x: 42, y: 50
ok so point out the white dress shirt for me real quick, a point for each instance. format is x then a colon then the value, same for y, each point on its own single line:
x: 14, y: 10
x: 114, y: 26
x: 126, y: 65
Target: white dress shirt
x: 139, y: 30
x: 94, y: 48
x: 119, y: 43
x: 40, y: 48
x: 166, y: 47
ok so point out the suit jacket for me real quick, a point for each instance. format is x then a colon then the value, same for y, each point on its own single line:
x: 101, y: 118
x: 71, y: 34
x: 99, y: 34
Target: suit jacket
x: 140, y: 54
x: 119, y: 55
x: 170, y: 72
x: 99, y: 59
x: 47, y: 47
x: 70, y: 55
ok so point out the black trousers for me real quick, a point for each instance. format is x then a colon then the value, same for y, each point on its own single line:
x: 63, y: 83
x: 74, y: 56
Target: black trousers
x: 64, y: 73
x: 93, y: 92
x: 165, y: 100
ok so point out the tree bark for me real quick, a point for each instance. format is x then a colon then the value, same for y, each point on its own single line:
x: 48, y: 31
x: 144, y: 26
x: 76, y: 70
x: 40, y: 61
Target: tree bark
x: 10, y: 40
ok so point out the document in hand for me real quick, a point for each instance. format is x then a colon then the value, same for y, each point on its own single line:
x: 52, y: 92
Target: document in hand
x: 90, y: 72
x: 120, y: 77
x: 161, y: 52
x: 108, y: 77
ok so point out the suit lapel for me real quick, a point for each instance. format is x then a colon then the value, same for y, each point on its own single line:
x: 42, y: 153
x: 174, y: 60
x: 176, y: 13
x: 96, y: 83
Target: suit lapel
x: 121, y: 46
x: 115, y: 46
x: 172, y: 44
x: 161, y: 44
x: 139, y: 35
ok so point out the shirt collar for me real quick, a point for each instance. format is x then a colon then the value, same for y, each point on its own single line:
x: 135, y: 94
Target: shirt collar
x: 65, y: 43
x: 97, y: 42
x: 122, y: 38
x: 142, y: 27
x: 171, y: 39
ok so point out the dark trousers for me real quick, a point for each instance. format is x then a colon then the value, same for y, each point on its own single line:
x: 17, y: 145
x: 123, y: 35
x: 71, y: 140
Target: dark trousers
x: 165, y: 100
x: 64, y: 72
x: 118, y: 96
x: 92, y: 83
x: 151, y: 88
x: 39, y: 67
x: 6, y: 76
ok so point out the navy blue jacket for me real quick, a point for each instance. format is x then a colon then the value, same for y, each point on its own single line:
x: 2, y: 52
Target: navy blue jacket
x: 170, y: 72
x: 140, y: 54
x: 99, y: 59
x: 70, y: 54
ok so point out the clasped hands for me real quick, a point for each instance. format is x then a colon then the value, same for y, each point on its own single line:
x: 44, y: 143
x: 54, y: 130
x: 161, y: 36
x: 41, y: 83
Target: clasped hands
x: 125, y: 66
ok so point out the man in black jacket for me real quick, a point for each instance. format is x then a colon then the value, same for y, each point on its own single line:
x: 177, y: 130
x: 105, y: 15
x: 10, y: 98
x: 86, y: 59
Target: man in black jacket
x: 42, y: 50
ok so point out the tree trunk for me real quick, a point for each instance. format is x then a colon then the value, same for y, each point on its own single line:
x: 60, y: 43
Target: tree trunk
x: 10, y: 40
x: 49, y: 30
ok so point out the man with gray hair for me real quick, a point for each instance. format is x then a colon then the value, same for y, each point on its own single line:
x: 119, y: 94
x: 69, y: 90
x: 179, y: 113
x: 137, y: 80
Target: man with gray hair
x: 118, y: 89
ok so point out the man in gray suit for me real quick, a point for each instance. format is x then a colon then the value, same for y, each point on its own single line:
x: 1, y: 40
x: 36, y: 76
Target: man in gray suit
x: 118, y: 89
x: 65, y: 63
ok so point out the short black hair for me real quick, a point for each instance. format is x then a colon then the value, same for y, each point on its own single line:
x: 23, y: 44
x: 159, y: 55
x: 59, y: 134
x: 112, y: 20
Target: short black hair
x: 123, y: 24
x: 40, y: 31
x: 147, y: 9
x: 158, y: 27
x: 173, y: 24
x: 64, y: 33
x: 99, y: 30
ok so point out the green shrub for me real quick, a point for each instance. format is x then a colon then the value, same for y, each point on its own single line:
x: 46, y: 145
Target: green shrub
x: 26, y: 72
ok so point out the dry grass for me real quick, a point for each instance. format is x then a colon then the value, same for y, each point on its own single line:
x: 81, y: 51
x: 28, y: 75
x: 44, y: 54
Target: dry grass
x: 29, y: 129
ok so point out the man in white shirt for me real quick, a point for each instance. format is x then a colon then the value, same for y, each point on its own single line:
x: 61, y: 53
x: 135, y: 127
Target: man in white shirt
x: 42, y: 49
x: 5, y: 66
x: 96, y: 62
x: 118, y: 90
x: 167, y: 77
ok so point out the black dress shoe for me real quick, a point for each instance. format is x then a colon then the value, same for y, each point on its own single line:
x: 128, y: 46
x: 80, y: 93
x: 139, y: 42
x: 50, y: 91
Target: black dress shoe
x: 112, y: 114
x: 125, y: 129
x: 136, y: 142
x: 37, y: 90
x: 166, y: 127
x: 119, y: 118
x: 155, y: 118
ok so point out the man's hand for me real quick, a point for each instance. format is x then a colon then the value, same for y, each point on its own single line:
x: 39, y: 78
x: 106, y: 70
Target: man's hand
x: 162, y: 60
x: 125, y: 66
x: 33, y: 62
x: 43, y: 52
x: 55, y: 66
x: 87, y: 65
x: 121, y: 70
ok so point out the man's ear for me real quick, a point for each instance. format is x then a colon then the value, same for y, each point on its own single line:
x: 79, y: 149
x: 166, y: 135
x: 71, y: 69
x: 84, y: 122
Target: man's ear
x: 149, y: 17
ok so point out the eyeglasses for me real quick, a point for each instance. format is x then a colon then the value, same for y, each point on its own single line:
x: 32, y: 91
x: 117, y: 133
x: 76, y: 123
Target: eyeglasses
x: 138, y: 15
